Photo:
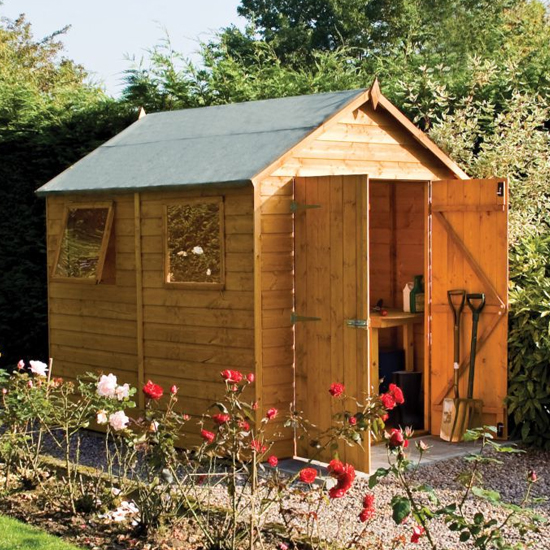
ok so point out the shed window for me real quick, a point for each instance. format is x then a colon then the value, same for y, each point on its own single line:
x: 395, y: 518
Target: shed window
x: 194, y: 253
x: 84, y: 242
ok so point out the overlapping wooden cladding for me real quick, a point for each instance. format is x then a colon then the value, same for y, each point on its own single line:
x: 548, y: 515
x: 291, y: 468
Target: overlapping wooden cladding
x: 365, y: 141
x: 189, y: 335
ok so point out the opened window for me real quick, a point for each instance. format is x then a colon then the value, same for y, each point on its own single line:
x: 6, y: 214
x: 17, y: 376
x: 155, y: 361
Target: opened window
x: 82, y: 251
x: 194, y: 254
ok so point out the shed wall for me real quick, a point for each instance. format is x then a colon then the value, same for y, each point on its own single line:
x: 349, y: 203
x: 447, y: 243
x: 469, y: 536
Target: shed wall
x: 191, y: 335
x: 186, y: 336
x: 93, y: 327
x: 364, y: 141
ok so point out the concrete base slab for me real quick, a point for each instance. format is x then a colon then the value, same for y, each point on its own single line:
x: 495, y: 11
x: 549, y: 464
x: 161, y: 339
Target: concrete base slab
x: 438, y: 450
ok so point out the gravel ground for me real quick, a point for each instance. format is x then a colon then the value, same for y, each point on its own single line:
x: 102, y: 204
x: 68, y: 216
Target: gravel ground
x: 338, y: 519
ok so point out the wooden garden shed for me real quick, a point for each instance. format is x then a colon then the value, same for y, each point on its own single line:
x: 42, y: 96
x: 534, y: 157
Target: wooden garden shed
x: 257, y: 236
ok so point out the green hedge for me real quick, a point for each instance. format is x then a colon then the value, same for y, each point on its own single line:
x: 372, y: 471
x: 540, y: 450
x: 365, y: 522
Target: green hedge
x: 529, y: 341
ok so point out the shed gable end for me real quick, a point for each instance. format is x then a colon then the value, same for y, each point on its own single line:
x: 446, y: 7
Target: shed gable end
x: 364, y: 140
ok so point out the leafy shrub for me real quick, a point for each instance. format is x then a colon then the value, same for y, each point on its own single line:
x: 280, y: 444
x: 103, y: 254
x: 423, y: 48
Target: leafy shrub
x: 529, y: 341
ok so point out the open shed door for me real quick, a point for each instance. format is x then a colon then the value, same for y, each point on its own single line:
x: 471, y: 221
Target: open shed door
x: 468, y: 249
x: 331, y: 291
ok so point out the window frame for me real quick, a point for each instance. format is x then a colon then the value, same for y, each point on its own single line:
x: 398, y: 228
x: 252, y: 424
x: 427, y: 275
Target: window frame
x: 102, y: 249
x: 219, y: 200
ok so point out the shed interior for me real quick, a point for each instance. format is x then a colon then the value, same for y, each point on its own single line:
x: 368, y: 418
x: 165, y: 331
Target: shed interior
x: 397, y: 232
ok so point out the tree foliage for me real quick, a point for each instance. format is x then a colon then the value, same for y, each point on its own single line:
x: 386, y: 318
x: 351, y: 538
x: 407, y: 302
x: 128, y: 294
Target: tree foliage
x: 50, y: 116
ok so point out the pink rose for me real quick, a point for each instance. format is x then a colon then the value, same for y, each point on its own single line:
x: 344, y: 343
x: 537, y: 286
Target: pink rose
x: 271, y: 413
x: 122, y: 392
x: 118, y: 421
x: 107, y: 385
x: 38, y: 368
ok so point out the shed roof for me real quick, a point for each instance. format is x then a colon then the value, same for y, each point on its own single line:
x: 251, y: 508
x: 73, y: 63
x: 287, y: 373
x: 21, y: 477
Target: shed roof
x: 226, y: 144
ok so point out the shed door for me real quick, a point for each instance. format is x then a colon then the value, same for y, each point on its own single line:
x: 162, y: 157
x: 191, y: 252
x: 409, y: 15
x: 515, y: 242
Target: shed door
x: 468, y: 249
x: 331, y: 282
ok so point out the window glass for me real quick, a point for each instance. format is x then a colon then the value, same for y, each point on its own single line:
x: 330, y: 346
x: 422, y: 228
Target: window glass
x: 195, y: 242
x: 83, y: 245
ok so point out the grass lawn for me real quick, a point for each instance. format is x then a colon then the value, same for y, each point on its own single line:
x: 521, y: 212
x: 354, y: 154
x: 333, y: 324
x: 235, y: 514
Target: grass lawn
x: 15, y: 535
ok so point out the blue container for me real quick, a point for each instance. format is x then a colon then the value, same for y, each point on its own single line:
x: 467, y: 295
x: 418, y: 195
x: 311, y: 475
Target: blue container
x: 390, y: 361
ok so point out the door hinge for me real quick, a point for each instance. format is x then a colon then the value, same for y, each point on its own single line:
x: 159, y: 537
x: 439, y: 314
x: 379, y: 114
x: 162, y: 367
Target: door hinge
x: 295, y: 206
x: 357, y: 323
x: 295, y: 318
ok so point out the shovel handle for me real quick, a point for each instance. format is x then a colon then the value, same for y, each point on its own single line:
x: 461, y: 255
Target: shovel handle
x: 456, y: 306
x: 476, y: 310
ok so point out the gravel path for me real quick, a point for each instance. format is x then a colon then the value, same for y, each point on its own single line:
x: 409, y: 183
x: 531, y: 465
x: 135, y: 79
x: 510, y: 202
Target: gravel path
x: 338, y: 519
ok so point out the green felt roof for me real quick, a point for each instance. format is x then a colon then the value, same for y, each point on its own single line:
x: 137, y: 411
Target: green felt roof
x: 226, y: 144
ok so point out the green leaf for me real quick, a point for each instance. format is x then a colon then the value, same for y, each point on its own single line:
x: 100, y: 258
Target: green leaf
x: 491, y: 496
x: 401, y: 507
x: 377, y: 476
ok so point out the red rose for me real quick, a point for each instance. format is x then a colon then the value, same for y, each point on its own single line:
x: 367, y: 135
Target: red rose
x: 366, y: 514
x: 257, y: 445
x: 335, y: 468
x: 388, y: 401
x: 271, y: 413
x: 418, y: 531
x: 174, y: 389
x: 384, y: 417
x: 308, y: 475
x: 397, y: 394
x: 244, y: 425
x: 273, y: 461
x: 220, y: 418
x: 152, y: 391
x: 232, y: 376
x: 250, y: 377
x: 368, y: 501
x: 208, y: 436
x: 336, y: 389
x: 344, y: 473
x: 397, y: 439
x: 255, y: 406
x: 352, y: 420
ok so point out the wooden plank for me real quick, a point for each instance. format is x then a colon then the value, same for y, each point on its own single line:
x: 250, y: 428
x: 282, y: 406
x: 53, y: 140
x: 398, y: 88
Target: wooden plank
x: 198, y: 317
x: 98, y: 359
x: 234, y: 281
x: 277, y: 299
x: 210, y: 336
x: 185, y: 370
x: 139, y: 299
x: 277, y: 223
x: 197, y: 353
x: 92, y: 308
x: 101, y: 292
x: 211, y: 299
x: 93, y: 325
x: 71, y: 371
x: 259, y: 388
x: 93, y: 341
x: 382, y: 169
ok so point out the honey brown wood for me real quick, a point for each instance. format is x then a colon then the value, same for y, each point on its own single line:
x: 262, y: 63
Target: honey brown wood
x: 468, y: 249
x: 280, y: 258
x: 331, y: 264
